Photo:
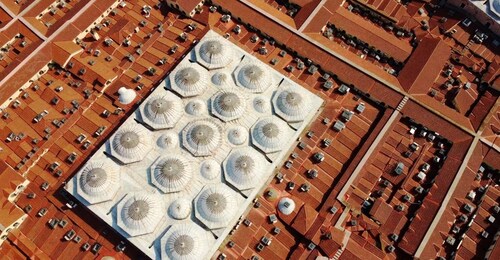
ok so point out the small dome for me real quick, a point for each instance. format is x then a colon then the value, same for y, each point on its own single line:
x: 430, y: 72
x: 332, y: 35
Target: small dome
x: 237, y: 135
x: 286, y: 206
x: 196, y: 107
x: 162, y: 111
x: 261, y: 104
x: 214, y: 54
x: 216, y: 205
x: 171, y: 173
x: 291, y: 105
x: 185, y: 242
x: 126, y: 96
x: 228, y: 105
x: 168, y: 140
x: 189, y: 81
x: 269, y: 134
x: 253, y: 77
x: 140, y: 213
x: 202, y: 137
x: 99, y: 180
x: 496, y: 7
x: 244, y: 167
x: 180, y: 209
x: 130, y: 143
x: 210, y: 169
x: 221, y: 79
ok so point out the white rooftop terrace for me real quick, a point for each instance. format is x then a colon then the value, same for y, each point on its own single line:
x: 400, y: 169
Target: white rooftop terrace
x: 177, y: 175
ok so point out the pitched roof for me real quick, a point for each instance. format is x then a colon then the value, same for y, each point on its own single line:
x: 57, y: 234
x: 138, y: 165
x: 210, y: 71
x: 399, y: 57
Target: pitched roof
x: 304, y: 219
x: 424, y: 65
x: 63, y: 51
x: 9, y: 213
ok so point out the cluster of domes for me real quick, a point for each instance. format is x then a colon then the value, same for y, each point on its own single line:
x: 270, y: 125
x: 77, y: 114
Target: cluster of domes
x: 139, y: 213
x: 171, y: 173
x: 130, y: 143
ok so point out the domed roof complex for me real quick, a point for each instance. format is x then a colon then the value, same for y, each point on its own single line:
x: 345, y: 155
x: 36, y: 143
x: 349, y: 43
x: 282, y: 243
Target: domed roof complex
x: 244, y: 167
x: 216, y: 205
x: 180, y: 209
x: 189, y: 80
x: 162, y: 110
x: 228, y: 105
x: 286, y: 206
x: 253, y: 77
x: 210, y: 169
x: 213, y: 54
x: 184, y: 242
x: 291, y: 105
x: 237, y: 135
x: 98, y: 181
x: 130, y: 143
x: 171, y: 173
x: 202, y: 137
x: 139, y: 213
x: 269, y: 134
x: 196, y: 107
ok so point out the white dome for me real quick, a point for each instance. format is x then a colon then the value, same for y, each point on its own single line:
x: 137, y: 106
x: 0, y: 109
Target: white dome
x: 286, y: 206
x: 214, y: 53
x: 126, y: 96
x: 261, y: 104
x: 202, y: 137
x: 98, y: 181
x: 180, y: 209
x: 221, y: 79
x: 216, y: 205
x: 237, y: 135
x: 269, y: 134
x: 162, y: 111
x: 171, y: 173
x: 210, y: 169
x: 168, y: 140
x: 253, y: 77
x: 228, y: 105
x: 189, y: 81
x: 185, y: 242
x: 196, y: 107
x: 244, y: 167
x: 139, y: 213
x: 291, y: 104
x: 131, y: 143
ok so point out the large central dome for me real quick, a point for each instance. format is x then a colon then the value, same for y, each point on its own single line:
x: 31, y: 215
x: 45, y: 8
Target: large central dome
x: 216, y: 205
x: 171, y: 173
x: 291, y: 104
x: 185, y: 241
x: 162, y: 111
x: 253, y: 77
x: 244, y: 167
x: 130, y: 144
x: 190, y: 80
x: 202, y: 137
x: 228, y: 105
x: 140, y: 213
x: 269, y: 134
